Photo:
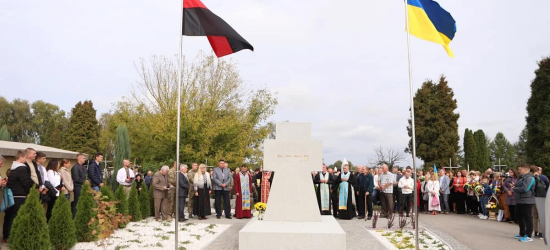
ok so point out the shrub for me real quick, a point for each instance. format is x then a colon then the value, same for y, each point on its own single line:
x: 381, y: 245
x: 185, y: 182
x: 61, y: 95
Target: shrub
x: 122, y: 201
x: 144, y: 202
x: 108, y: 219
x: 85, y: 212
x: 61, y: 226
x: 107, y: 193
x: 29, y: 229
x: 133, y: 204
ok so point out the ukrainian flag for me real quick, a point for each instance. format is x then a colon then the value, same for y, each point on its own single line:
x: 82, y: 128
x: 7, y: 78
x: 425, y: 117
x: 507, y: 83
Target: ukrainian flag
x: 428, y: 21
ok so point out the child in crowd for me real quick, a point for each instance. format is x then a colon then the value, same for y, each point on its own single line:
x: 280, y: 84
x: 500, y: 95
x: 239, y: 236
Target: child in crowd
x: 484, y: 198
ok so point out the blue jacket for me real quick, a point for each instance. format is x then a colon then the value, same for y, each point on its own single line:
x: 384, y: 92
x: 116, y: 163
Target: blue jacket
x: 487, y: 190
x: 148, y: 180
x: 94, y: 173
x: 365, y: 183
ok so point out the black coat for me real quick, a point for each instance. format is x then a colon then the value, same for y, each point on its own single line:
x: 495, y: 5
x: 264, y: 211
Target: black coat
x: 38, y: 175
x: 78, y: 173
x: 183, y: 185
x: 19, y: 181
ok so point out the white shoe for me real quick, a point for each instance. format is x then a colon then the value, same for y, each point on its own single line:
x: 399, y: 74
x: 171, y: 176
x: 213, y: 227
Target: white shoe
x: 480, y: 216
x: 485, y: 217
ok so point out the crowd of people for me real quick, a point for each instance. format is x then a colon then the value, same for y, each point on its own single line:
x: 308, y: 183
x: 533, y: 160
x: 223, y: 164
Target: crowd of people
x: 517, y: 194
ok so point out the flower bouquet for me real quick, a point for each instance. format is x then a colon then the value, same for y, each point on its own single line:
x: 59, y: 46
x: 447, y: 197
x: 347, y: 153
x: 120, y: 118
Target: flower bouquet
x: 479, y: 189
x: 260, y: 209
x: 421, y: 178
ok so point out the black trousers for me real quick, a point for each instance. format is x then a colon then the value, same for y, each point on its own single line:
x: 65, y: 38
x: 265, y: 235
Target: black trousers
x: 335, y: 202
x: 396, y: 198
x: 524, y: 215
x: 361, y: 204
x: 11, y: 213
x: 51, y: 203
x: 460, y: 199
x: 181, y: 206
x: 406, y: 200
x: 76, y: 194
x: 512, y: 209
x: 226, y: 205
x: 473, y: 204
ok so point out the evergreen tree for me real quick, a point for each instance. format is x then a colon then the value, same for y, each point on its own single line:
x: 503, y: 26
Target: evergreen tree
x: 436, y: 124
x: 106, y: 192
x: 4, y: 134
x: 61, y: 226
x: 82, y: 134
x: 122, y: 205
x: 144, y: 202
x: 538, y: 118
x: 29, y: 229
x: 470, y: 149
x: 84, y: 213
x: 122, y: 151
x: 134, y: 207
x: 482, y: 151
x: 502, y: 151
x: 520, y: 148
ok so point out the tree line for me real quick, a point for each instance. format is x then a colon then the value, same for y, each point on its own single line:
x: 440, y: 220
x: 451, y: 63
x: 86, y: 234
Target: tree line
x: 437, y: 135
x: 221, y: 116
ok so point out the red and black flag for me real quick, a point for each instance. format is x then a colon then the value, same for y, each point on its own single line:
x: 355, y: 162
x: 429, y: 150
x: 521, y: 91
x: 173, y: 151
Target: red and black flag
x: 200, y: 21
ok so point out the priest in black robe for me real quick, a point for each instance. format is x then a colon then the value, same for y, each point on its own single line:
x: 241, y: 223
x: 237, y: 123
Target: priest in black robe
x: 323, y: 182
x: 346, y: 183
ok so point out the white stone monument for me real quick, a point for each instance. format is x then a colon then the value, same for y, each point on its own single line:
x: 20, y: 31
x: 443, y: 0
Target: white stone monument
x: 292, y: 219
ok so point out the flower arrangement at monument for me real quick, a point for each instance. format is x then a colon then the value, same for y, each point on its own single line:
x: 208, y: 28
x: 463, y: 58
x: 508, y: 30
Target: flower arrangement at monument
x: 260, y: 209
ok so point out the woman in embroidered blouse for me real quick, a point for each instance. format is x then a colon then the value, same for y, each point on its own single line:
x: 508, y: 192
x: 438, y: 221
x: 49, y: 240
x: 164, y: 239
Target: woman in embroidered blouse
x: 433, y: 189
x: 202, y: 184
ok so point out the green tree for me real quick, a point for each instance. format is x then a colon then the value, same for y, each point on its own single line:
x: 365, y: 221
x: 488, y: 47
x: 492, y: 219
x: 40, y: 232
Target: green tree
x: 482, y: 151
x: 29, y: 229
x: 134, y: 206
x: 44, y: 117
x: 520, y: 148
x: 122, y: 151
x: 145, y: 202
x: 538, y: 118
x: 107, y: 193
x: 122, y: 205
x: 338, y: 164
x: 84, y: 213
x: 19, y: 121
x: 501, y: 149
x: 82, y: 134
x: 470, y: 149
x: 4, y: 134
x: 436, y: 123
x: 61, y: 225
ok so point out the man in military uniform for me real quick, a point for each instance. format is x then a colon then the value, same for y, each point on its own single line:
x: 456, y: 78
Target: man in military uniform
x: 172, y: 175
x: 191, y: 176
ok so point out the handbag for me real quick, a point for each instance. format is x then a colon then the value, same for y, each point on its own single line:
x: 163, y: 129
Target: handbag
x: 8, y: 200
x: 426, y: 197
x: 435, y: 201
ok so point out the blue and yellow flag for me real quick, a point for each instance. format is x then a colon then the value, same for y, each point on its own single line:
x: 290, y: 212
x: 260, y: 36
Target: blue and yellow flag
x: 428, y: 21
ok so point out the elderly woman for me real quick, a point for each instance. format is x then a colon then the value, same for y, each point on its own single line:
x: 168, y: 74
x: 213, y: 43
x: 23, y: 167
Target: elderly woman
x: 433, y: 191
x: 202, y: 185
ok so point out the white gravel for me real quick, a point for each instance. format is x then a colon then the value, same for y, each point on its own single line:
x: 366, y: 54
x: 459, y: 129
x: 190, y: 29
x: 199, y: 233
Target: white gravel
x: 431, y: 241
x: 149, y: 234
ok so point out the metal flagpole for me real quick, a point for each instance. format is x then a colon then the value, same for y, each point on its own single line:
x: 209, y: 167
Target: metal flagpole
x: 180, y: 76
x: 415, y: 208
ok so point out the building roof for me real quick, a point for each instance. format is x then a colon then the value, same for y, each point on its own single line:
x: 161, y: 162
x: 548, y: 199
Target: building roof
x: 9, y: 148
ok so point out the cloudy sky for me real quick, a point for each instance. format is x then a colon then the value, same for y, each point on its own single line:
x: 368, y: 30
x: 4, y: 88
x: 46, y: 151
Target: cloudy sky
x: 339, y: 64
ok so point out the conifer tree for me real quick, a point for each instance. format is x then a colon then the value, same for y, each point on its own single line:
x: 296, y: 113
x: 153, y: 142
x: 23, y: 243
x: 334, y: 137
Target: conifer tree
x: 61, y: 226
x: 436, y: 123
x: 122, y: 205
x: 538, y: 118
x: 84, y: 213
x: 144, y: 202
x: 134, y: 207
x: 82, y: 134
x: 29, y: 229
x: 122, y: 151
x: 106, y: 191
x: 470, y: 149
x: 482, y: 151
x: 4, y: 134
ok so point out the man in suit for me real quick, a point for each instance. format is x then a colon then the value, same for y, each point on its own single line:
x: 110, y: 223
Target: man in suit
x: 160, y: 193
x: 183, y: 185
x: 444, y: 183
x: 222, y: 181
x: 94, y: 172
x: 78, y: 174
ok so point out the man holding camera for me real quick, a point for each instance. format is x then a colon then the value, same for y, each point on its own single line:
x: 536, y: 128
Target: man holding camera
x: 125, y: 176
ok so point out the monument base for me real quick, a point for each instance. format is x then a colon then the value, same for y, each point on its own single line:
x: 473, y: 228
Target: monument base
x: 261, y: 234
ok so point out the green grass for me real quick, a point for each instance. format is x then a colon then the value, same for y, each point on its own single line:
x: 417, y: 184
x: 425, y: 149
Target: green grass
x: 185, y: 242
x: 158, y: 244
x: 121, y: 247
x: 136, y: 241
x: 157, y: 229
x: 190, y: 224
x: 164, y: 237
x: 170, y: 232
x: 211, y: 226
x: 198, y: 237
x: 182, y: 248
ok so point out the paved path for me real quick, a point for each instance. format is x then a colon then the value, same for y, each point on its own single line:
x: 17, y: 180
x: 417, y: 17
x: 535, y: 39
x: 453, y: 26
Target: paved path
x: 478, y: 234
